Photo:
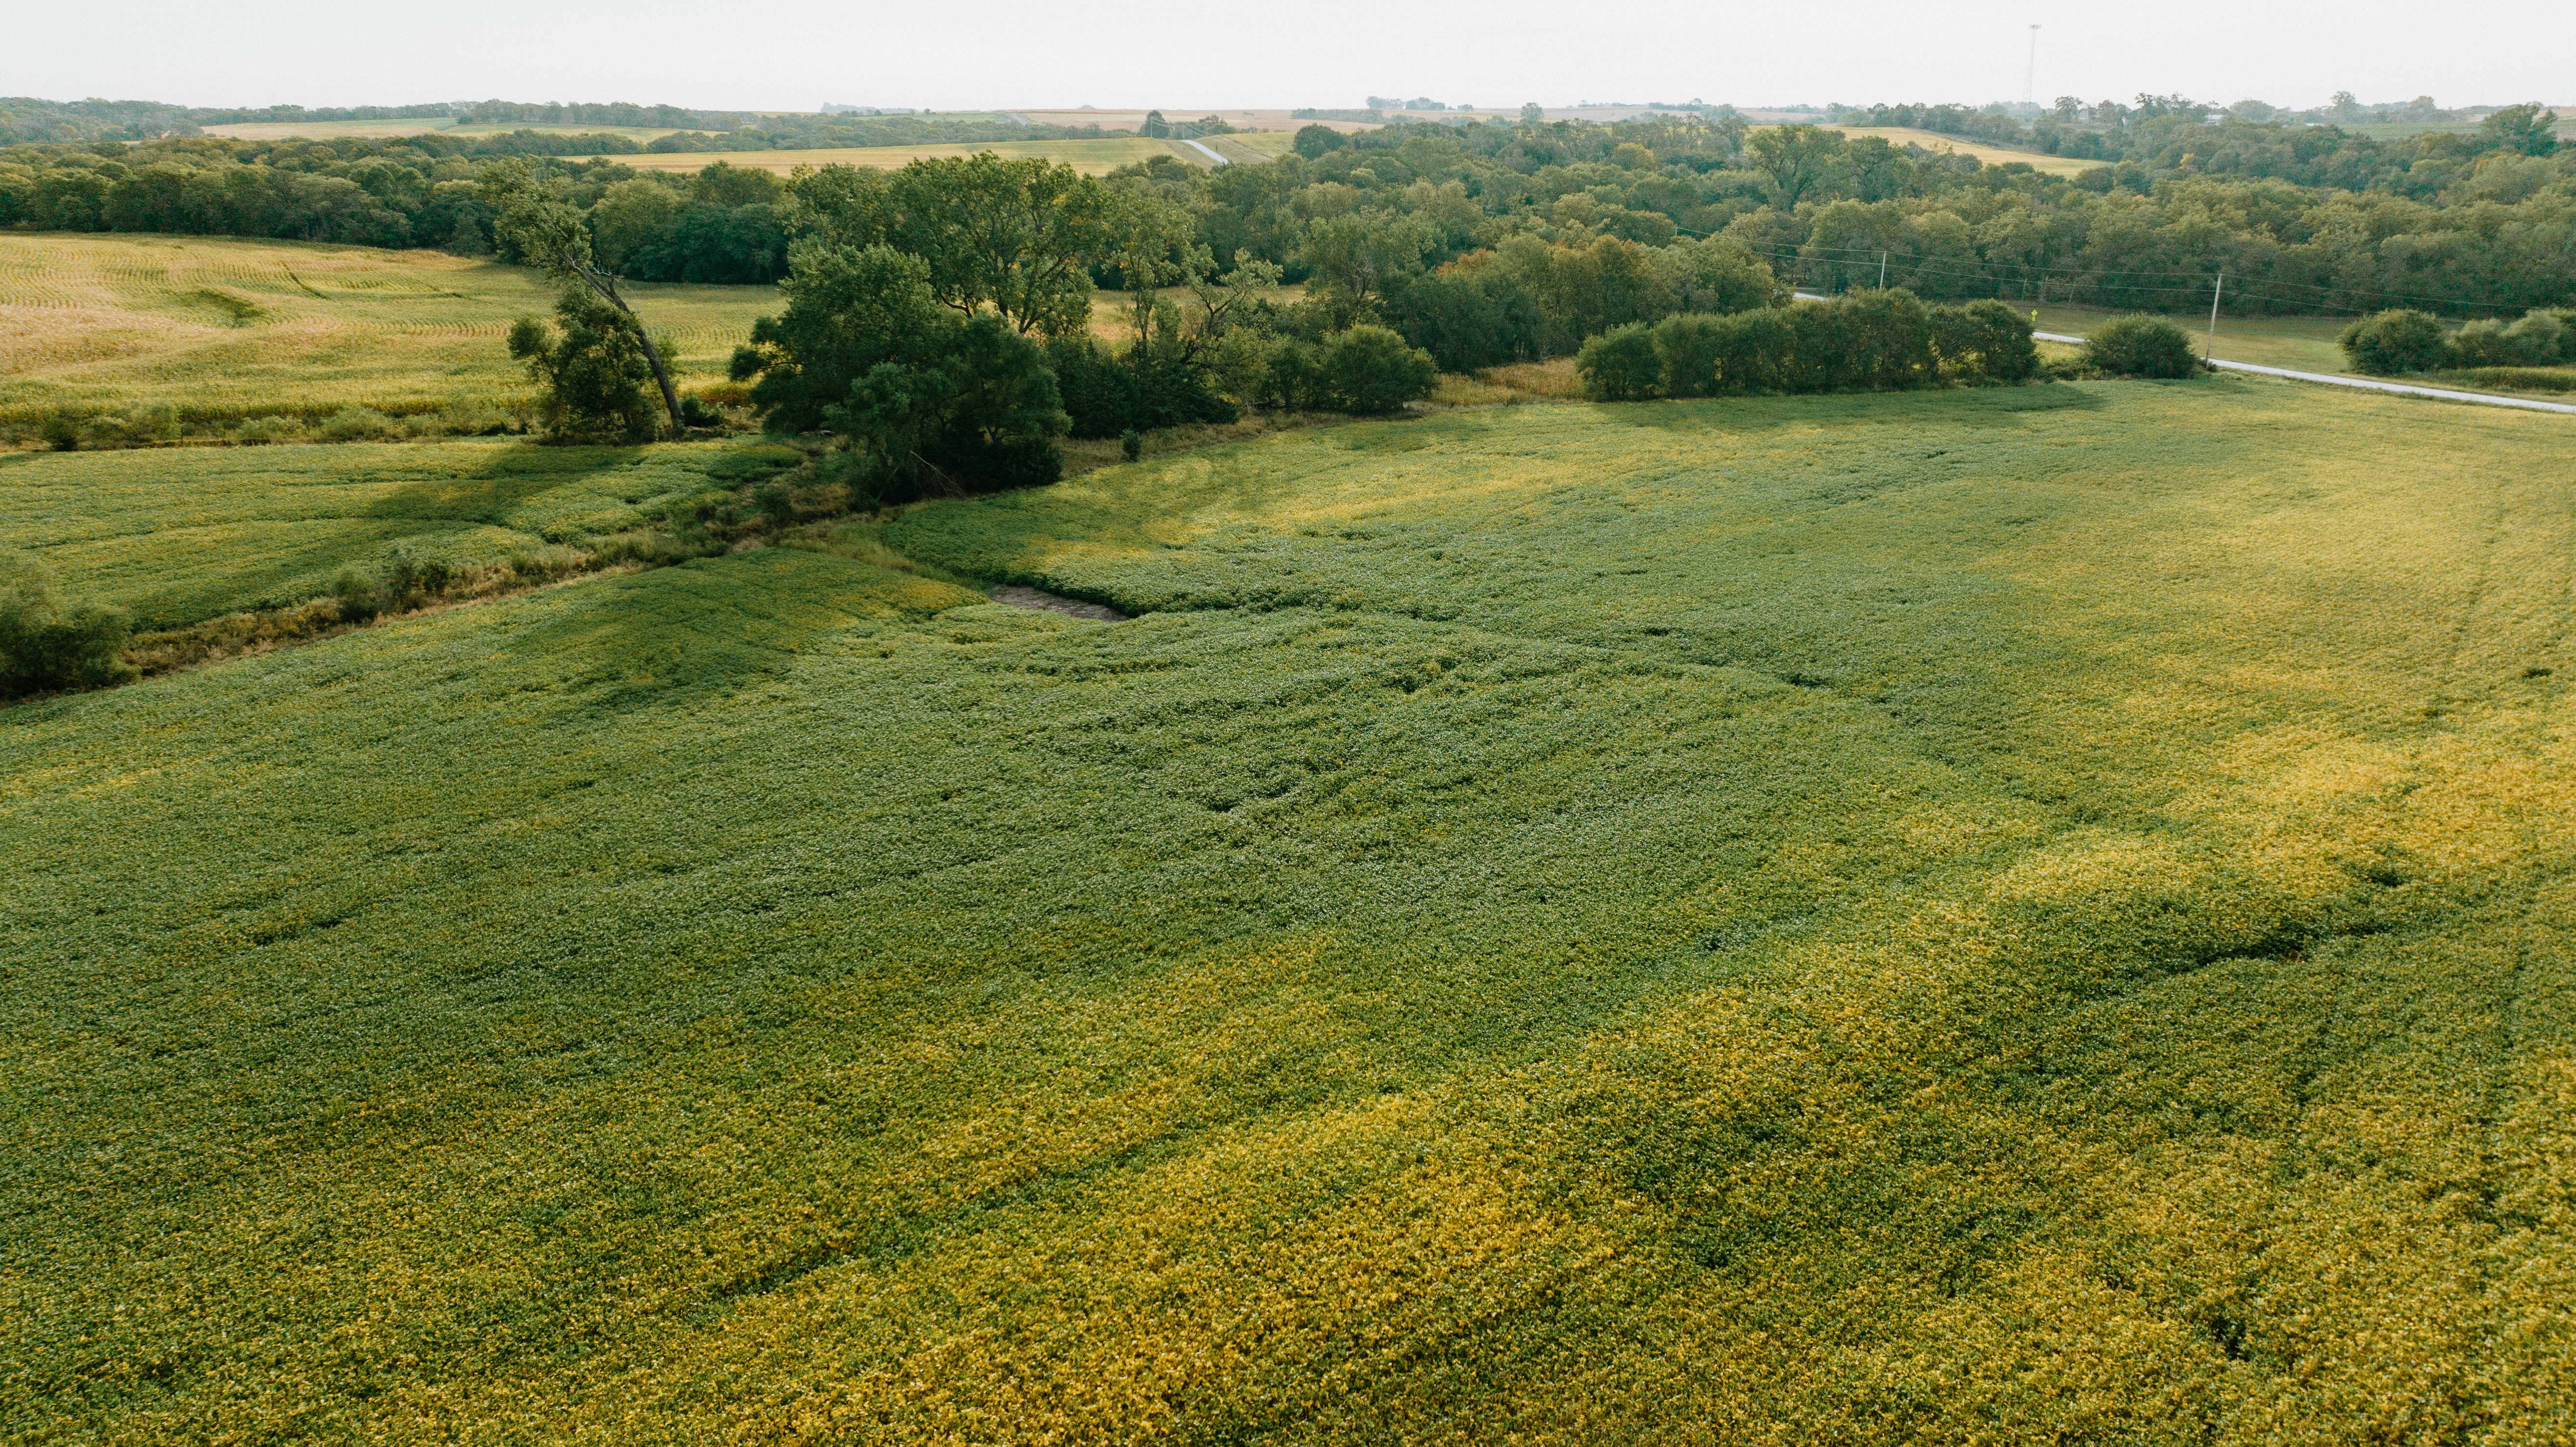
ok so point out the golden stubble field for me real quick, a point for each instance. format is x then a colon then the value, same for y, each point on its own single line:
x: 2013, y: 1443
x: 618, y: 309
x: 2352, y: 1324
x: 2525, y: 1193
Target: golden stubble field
x: 1936, y: 142
x: 220, y: 327
x: 1091, y: 158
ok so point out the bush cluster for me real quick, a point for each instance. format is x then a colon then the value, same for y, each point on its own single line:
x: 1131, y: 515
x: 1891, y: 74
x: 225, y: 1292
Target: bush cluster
x: 68, y: 428
x: 46, y: 647
x: 1107, y: 394
x: 1367, y: 371
x: 590, y: 371
x: 2140, y: 346
x: 1875, y: 340
x: 83, y: 429
x: 2404, y: 340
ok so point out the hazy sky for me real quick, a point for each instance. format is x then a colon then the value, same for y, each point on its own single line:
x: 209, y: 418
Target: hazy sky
x: 796, y: 54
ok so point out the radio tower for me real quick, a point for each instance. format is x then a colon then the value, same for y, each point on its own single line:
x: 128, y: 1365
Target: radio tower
x: 2030, y: 72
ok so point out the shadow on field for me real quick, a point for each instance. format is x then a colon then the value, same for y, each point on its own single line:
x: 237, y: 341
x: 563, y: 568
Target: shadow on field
x: 311, y: 550
x: 1963, y: 407
x: 514, y: 476
x: 704, y: 627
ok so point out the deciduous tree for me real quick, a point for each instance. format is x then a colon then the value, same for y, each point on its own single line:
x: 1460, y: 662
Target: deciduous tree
x: 552, y: 234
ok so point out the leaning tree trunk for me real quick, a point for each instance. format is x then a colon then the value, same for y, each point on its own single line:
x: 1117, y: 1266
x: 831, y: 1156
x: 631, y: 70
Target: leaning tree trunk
x: 607, y: 287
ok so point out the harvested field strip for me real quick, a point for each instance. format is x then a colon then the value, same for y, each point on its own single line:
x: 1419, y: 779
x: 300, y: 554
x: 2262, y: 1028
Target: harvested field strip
x: 1091, y: 158
x: 1934, y: 141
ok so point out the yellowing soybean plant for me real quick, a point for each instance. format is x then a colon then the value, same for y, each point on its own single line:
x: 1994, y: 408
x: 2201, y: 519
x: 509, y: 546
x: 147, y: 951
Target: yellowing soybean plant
x: 2036, y: 914
x: 218, y: 327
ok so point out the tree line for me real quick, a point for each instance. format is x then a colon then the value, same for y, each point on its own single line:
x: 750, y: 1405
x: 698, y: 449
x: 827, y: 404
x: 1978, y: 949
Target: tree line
x: 2302, y: 218
x: 1883, y: 340
x: 937, y: 321
x: 1832, y: 212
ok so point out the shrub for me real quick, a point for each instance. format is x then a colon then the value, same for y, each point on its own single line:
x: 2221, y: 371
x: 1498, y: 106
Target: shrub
x: 156, y: 423
x: 1691, y: 353
x: 1368, y: 371
x: 2395, y: 341
x: 1820, y: 356
x: 1759, y: 351
x: 60, y: 429
x: 473, y: 419
x: 2533, y: 341
x: 1983, y: 340
x: 255, y: 431
x: 46, y: 649
x: 697, y: 412
x: 1888, y: 339
x: 1877, y: 339
x: 411, y: 579
x: 360, y: 424
x: 1620, y: 365
x: 1131, y: 443
x: 1101, y: 398
x: 1294, y: 379
x: 589, y: 369
x: 1144, y: 388
x: 356, y: 593
x: 2139, y: 345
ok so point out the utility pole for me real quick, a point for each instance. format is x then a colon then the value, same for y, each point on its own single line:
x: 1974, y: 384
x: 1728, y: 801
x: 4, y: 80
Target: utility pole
x: 2214, y: 293
x: 1882, y: 271
x: 2030, y: 72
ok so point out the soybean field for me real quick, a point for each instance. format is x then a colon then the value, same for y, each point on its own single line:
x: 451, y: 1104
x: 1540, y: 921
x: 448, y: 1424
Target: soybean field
x: 177, y: 535
x: 2022, y: 914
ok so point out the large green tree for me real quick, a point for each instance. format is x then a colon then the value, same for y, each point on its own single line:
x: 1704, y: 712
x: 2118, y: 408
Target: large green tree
x: 849, y: 308
x: 590, y: 367
x: 547, y: 231
x: 2530, y: 130
x: 922, y: 394
x: 1803, y: 162
x: 1015, y: 237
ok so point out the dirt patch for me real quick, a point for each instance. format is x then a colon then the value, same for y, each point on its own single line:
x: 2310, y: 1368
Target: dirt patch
x: 1019, y: 597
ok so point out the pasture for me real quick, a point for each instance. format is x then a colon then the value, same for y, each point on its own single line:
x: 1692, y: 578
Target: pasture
x: 1091, y: 158
x: 2010, y: 914
x: 219, y: 327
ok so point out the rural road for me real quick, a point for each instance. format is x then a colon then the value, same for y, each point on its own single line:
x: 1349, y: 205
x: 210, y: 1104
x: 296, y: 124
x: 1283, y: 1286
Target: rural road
x: 1213, y: 158
x: 2482, y: 398
x: 2366, y: 385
